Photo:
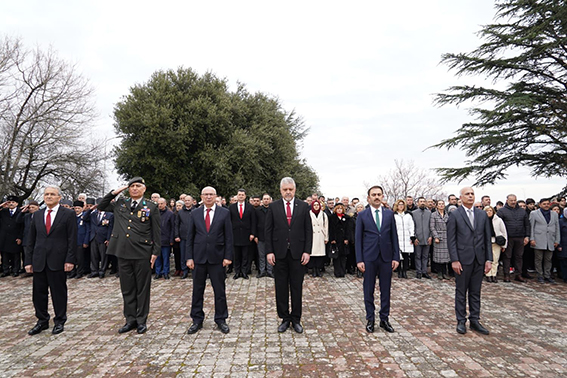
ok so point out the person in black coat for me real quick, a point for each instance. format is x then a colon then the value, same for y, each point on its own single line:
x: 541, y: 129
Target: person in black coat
x: 25, y: 218
x: 83, y: 236
x: 167, y: 237
x: 101, y: 224
x: 243, y: 219
x: 181, y: 230
x: 340, y: 235
x: 53, y: 242
x: 264, y: 269
x: 562, y: 249
x: 11, y: 235
x: 289, y: 240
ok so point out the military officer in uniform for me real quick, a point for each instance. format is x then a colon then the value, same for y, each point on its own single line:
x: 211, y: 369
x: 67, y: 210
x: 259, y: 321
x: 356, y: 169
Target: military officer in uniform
x: 135, y: 241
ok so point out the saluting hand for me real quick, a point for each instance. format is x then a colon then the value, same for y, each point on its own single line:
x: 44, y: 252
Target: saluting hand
x: 120, y: 190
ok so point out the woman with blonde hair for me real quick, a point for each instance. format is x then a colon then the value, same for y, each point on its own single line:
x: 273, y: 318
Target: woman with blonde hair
x: 499, y: 242
x: 406, y: 231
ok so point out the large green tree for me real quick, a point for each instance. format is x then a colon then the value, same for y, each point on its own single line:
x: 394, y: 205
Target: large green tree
x: 521, y: 118
x: 182, y: 131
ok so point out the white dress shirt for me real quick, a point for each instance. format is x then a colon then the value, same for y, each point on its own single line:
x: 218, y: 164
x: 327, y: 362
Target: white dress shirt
x: 53, y: 214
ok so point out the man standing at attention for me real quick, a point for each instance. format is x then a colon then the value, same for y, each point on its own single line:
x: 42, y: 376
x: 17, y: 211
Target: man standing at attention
x: 377, y: 255
x: 51, y: 253
x: 243, y: 219
x: 470, y: 248
x: 209, y: 251
x: 135, y: 241
x: 289, y: 238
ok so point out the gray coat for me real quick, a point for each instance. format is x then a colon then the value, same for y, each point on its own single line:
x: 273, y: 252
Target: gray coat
x: 422, y: 230
x: 544, y: 234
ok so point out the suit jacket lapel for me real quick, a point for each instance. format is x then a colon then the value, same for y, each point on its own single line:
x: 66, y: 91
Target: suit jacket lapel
x: 371, y: 219
x: 41, y: 216
x: 463, y: 213
x: 57, y: 219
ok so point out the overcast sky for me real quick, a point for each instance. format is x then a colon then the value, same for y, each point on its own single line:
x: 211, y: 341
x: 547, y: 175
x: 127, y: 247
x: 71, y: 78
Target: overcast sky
x: 362, y: 74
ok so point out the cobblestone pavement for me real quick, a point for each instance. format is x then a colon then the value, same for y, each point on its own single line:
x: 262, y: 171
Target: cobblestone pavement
x: 528, y: 325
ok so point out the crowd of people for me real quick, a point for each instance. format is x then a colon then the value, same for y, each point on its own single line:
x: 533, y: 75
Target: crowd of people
x: 522, y: 245
x: 135, y: 238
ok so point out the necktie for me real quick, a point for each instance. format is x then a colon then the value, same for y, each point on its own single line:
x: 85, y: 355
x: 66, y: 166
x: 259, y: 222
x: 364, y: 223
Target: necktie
x: 11, y: 212
x: 471, y: 217
x: 377, y: 218
x: 99, y: 216
x: 288, y: 213
x: 134, y: 204
x: 48, y: 221
x: 208, y: 220
x: 240, y: 211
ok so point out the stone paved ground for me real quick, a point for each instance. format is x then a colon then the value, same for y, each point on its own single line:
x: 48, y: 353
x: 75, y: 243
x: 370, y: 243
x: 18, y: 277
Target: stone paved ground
x: 528, y: 325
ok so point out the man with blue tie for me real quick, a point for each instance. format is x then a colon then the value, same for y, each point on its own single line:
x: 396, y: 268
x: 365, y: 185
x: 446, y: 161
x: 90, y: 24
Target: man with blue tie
x: 470, y: 248
x: 209, y: 251
x: 377, y: 255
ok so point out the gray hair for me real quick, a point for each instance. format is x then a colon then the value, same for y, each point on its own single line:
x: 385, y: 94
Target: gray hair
x: 54, y: 187
x: 287, y: 180
x: 209, y: 187
x: 179, y: 202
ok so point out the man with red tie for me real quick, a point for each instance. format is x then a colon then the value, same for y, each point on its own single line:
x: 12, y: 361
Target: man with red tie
x: 52, y: 242
x: 243, y: 219
x: 209, y: 251
x: 289, y: 238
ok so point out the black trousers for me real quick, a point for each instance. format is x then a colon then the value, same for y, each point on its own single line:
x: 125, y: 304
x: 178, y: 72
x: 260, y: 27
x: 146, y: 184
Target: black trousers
x: 217, y: 275
x: 98, y: 257
x: 56, y: 283
x: 288, y: 275
x: 405, y: 263
x: 241, y: 259
x: 135, y: 280
x: 82, y: 262
x: 468, y: 283
x: 11, y: 262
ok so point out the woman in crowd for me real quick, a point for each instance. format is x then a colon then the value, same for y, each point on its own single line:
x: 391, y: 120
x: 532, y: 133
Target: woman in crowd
x: 562, y: 249
x: 172, y: 204
x: 438, y: 227
x: 499, y: 243
x: 340, y: 231
x: 406, y: 228
x: 320, y: 237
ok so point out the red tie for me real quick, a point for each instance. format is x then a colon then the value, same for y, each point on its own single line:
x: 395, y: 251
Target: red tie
x: 288, y: 214
x: 208, y: 220
x: 48, y: 221
x: 240, y: 211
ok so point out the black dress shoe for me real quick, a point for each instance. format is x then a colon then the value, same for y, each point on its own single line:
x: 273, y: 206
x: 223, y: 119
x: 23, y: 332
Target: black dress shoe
x: 461, y: 328
x: 15, y: 274
x: 236, y: 276
x: 194, y: 328
x: 127, y: 328
x: 418, y: 276
x: 101, y: 276
x: 93, y: 275
x: 57, y: 329
x: 370, y: 326
x: 297, y: 327
x: 476, y: 326
x: 387, y: 326
x: 245, y: 276
x: 284, y: 326
x: 425, y: 275
x: 38, y: 328
x: 157, y: 277
x: 271, y: 275
x: 223, y: 327
x: 166, y: 276
x: 185, y: 275
x: 142, y: 328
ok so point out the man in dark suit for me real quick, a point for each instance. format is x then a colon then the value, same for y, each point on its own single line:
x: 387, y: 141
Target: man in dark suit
x: 209, y: 251
x: 377, y: 255
x: 83, y: 235
x: 53, y: 242
x: 243, y: 218
x: 135, y: 240
x: 470, y: 248
x: 11, y: 236
x: 101, y: 224
x: 289, y: 238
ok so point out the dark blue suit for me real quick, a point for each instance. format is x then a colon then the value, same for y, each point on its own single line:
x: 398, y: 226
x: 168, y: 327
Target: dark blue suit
x: 101, y: 231
x: 376, y: 249
x: 208, y: 250
x: 472, y: 247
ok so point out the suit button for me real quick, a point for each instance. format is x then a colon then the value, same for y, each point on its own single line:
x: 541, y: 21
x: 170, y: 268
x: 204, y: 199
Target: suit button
x: 130, y: 220
x: 127, y: 235
x: 128, y: 227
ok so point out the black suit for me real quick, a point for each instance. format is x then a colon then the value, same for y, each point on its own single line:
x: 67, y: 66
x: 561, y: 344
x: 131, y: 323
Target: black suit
x: 472, y: 247
x: 48, y: 254
x: 208, y: 250
x: 10, y: 230
x: 289, y: 242
x: 242, y: 228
